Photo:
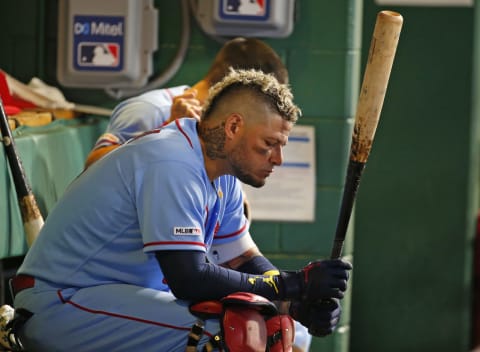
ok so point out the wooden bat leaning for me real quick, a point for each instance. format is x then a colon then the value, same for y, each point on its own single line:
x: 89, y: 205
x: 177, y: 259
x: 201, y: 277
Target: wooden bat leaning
x: 31, y: 216
x: 375, y: 80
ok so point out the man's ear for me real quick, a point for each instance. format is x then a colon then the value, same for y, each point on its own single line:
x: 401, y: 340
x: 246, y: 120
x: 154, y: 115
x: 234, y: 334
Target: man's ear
x: 233, y: 125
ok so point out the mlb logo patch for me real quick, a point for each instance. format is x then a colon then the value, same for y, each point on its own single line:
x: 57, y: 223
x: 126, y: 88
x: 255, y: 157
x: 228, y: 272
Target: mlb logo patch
x: 187, y: 231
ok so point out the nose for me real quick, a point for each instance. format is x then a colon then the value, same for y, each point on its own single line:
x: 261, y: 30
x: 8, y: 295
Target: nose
x: 276, y: 157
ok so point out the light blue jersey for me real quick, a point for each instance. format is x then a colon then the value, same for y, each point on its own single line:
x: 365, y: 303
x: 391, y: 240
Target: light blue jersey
x: 138, y: 114
x: 94, y: 263
x: 109, y: 236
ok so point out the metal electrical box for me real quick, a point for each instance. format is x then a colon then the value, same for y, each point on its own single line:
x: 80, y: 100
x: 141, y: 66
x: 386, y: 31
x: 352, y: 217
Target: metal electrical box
x: 249, y: 18
x: 106, y: 43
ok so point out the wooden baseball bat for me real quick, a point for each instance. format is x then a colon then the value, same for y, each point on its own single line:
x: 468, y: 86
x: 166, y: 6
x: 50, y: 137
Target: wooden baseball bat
x: 31, y: 216
x: 369, y: 106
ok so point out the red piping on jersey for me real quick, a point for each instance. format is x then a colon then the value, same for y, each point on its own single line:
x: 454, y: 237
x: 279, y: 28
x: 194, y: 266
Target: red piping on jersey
x: 232, y: 234
x: 122, y: 316
x: 164, y: 243
x: 146, y: 133
x: 183, y: 132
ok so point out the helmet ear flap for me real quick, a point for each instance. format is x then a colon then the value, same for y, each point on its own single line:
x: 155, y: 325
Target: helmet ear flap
x: 244, y: 330
x: 281, y: 333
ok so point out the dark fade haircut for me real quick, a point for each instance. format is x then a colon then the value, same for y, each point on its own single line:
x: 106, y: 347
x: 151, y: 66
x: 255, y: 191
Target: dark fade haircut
x: 265, y: 86
x: 246, y: 53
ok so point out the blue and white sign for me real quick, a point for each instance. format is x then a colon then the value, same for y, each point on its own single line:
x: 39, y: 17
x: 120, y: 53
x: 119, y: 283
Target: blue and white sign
x: 252, y: 10
x: 98, y: 43
x: 290, y: 192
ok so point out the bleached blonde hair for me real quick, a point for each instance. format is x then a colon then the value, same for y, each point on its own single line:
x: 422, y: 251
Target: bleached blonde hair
x: 279, y: 95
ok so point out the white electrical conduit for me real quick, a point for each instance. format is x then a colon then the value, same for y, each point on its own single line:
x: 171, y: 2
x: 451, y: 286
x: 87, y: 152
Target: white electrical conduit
x: 170, y: 71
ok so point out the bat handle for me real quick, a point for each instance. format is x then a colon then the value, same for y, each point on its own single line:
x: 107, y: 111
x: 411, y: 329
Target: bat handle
x: 354, y: 173
x: 337, y: 249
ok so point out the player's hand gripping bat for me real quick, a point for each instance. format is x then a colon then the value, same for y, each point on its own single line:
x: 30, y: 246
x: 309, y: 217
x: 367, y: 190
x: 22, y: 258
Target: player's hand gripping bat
x: 375, y: 80
x: 31, y: 216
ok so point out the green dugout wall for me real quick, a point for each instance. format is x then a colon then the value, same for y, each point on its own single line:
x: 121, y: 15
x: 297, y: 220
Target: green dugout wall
x: 411, y: 239
x: 415, y: 215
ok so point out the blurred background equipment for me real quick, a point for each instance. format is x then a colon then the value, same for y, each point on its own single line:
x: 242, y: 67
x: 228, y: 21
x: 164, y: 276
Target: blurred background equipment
x: 106, y: 43
x: 257, y: 18
x: 110, y: 44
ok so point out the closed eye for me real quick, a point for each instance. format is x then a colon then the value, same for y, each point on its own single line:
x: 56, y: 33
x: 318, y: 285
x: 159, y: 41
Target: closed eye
x: 274, y: 143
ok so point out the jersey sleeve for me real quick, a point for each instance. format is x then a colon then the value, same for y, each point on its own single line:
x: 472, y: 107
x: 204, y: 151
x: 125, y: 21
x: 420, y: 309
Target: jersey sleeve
x: 234, y: 223
x: 170, y: 207
x: 232, y: 238
x: 137, y: 115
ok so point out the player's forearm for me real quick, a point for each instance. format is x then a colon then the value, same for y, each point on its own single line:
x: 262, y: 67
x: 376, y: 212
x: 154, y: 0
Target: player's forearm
x: 217, y: 282
x: 259, y: 265
x: 191, y: 278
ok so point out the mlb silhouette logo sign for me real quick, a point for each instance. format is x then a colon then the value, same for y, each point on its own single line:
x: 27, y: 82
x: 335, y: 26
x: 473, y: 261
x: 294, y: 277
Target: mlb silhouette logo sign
x: 98, y: 43
x: 250, y: 10
x: 98, y: 54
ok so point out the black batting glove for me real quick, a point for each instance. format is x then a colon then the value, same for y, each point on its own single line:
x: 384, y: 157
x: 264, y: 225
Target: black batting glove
x: 319, y: 280
x: 321, y: 318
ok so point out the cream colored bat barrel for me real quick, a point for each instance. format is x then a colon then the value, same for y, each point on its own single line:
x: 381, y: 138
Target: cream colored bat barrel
x: 375, y: 80
x: 382, y: 51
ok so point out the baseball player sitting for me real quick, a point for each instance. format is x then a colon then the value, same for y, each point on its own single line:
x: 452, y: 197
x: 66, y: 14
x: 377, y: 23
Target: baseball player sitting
x: 155, y: 108
x: 155, y: 228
